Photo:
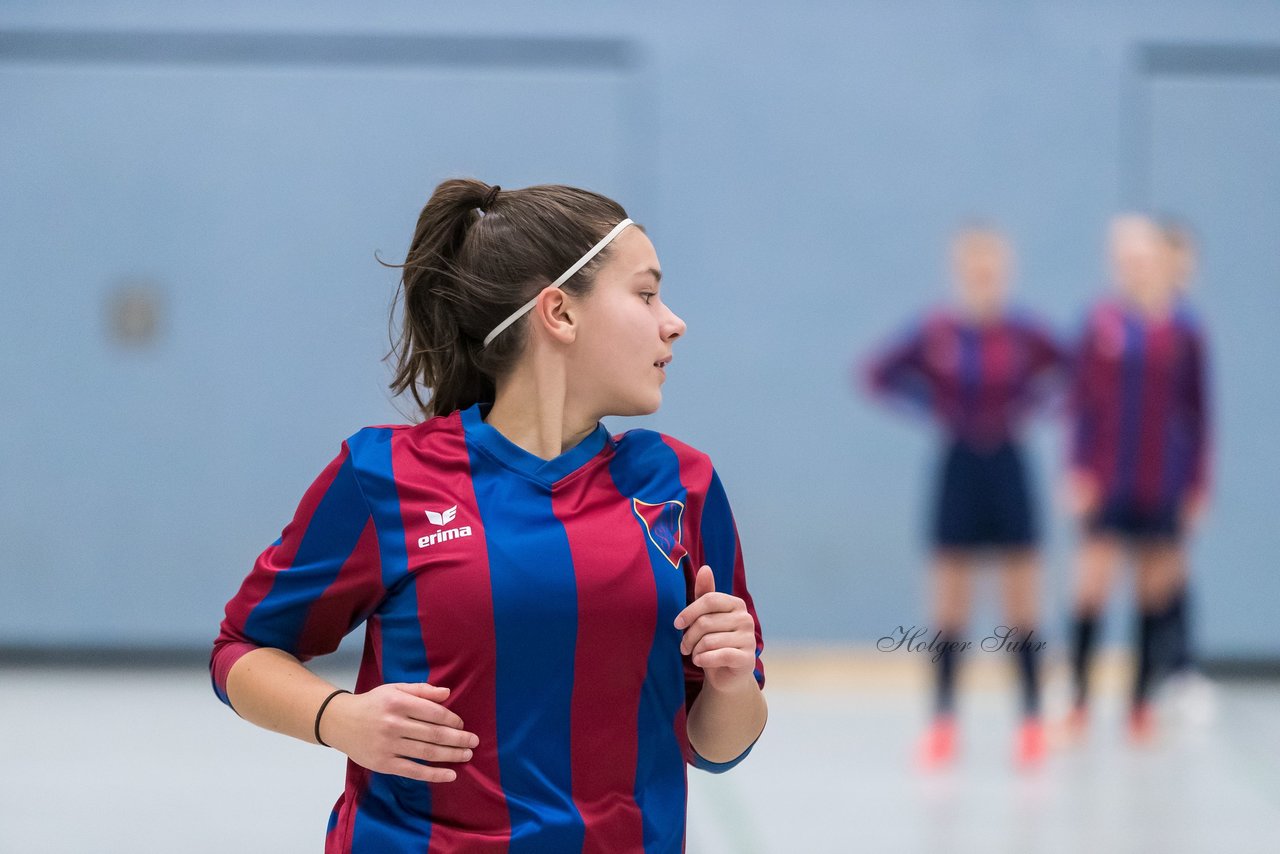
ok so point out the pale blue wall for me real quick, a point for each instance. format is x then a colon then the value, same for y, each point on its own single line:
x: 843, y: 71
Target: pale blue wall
x: 798, y: 166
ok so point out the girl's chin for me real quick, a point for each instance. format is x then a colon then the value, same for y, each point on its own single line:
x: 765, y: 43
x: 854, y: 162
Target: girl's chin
x: 638, y: 406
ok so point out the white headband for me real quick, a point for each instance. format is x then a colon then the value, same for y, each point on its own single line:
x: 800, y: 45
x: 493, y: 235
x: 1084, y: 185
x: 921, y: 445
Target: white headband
x: 564, y: 277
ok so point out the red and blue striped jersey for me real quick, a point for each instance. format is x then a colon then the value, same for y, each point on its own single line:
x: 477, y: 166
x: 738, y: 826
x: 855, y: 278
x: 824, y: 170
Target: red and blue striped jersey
x: 979, y: 381
x: 541, y: 592
x: 1140, y: 418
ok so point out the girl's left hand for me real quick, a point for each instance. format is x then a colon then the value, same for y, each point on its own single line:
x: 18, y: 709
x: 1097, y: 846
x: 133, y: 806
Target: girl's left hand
x: 720, y: 633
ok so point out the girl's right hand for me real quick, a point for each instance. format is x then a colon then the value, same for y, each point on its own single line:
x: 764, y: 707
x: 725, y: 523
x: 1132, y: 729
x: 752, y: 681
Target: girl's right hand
x: 387, y: 728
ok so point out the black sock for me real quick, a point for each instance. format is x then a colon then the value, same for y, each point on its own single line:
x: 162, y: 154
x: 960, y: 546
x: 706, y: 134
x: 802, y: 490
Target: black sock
x: 1029, y: 676
x: 948, y: 659
x: 1148, y: 632
x: 1177, y: 630
x: 1086, y: 628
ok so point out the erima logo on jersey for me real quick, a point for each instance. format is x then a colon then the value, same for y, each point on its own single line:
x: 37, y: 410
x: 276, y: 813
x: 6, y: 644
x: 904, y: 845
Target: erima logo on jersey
x: 443, y: 518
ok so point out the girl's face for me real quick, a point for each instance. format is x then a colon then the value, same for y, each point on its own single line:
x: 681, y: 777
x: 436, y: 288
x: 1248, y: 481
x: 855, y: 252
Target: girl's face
x: 625, y: 332
x: 980, y: 264
x: 1138, y: 261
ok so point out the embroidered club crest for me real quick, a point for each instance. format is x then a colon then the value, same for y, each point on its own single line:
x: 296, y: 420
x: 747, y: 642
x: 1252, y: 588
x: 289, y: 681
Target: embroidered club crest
x: 662, y: 525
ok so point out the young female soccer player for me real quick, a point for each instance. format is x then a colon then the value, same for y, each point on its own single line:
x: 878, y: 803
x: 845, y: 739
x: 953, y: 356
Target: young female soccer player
x: 979, y: 370
x: 556, y: 619
x: 1139, y: 452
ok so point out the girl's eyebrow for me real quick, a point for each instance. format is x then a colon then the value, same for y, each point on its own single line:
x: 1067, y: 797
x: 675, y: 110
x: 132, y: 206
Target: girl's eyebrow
x: 653, y: 271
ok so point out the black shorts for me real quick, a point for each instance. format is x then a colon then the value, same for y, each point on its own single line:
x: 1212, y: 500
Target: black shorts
x: 1128, y: 519
x: 984, y: 500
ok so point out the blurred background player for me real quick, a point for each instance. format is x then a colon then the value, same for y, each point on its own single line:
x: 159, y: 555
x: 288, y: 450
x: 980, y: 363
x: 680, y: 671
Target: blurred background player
x: 1185, y: 689
x: 978, y: 368
x: 1138, y: 455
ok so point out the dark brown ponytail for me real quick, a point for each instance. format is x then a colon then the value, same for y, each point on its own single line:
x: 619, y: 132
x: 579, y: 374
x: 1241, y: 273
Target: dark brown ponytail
x: 477, y: 255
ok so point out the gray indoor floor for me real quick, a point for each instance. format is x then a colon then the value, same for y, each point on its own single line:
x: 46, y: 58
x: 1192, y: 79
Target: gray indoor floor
x: 120, y: 760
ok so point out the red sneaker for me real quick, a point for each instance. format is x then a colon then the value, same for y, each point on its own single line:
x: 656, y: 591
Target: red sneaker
x: 938, y: 745
x: 1142, y: 724
x: 1029, y: 750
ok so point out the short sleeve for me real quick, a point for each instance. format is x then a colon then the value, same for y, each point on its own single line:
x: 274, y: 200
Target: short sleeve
x: 716, y: 544
x: 313, y: 585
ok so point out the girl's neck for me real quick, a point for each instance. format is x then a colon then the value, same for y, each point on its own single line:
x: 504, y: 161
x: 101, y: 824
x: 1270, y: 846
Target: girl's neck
x: 1153, y: 307
x: 532, y: 409
x: 981, y: 317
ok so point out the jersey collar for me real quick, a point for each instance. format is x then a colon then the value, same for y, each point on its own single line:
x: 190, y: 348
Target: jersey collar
x: 515, y: 457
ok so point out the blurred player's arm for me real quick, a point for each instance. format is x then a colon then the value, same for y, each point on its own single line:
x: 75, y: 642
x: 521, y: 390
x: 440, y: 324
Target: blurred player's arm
x: 898, y: 373
x: 1082, y: 489
x: 1198, y: 410
x: 1049, y: 369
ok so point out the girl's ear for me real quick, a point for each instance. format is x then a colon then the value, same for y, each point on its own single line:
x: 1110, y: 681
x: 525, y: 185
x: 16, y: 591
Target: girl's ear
x: 556, y: 314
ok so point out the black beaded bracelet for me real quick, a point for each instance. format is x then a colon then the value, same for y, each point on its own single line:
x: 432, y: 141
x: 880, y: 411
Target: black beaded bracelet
x: 320, y: 712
